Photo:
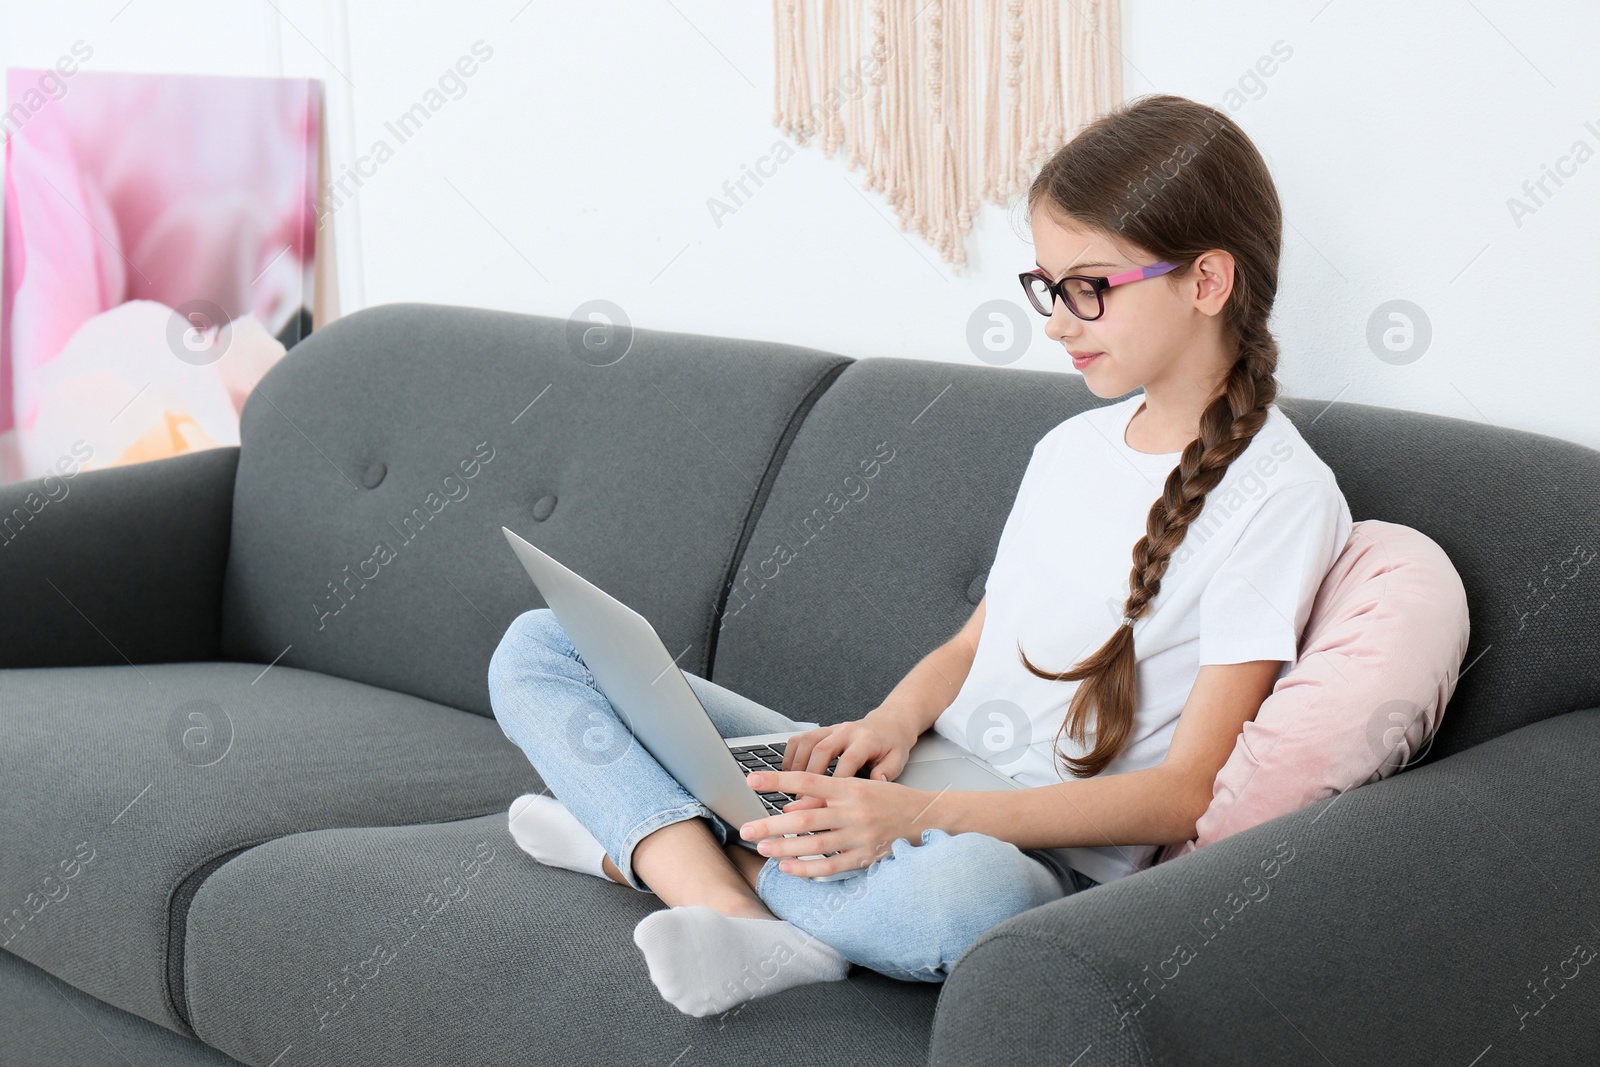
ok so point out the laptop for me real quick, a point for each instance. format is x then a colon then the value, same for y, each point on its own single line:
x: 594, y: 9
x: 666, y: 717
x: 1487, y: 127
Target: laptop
x: 650, y: 694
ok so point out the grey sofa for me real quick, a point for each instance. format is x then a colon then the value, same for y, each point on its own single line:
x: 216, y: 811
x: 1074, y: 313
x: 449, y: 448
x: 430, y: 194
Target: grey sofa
x: 255, y: 800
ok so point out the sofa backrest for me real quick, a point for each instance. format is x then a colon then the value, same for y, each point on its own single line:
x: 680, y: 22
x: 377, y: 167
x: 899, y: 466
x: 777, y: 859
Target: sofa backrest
x: 801, y: 526
x: 860, y: 563
x: 379, y: 459
x: 874, y: 544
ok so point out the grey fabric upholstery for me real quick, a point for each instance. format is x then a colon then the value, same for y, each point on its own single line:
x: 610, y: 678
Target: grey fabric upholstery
x: 153, y: 775
x: 649, y: 466
x: 535, y: 965
x: 874, y: 567
x: 49, y: 1022
x: 238, y: 894
x: 859, y: 591
x: 1408, y: 922
x: 1516, y: 513
x: 116, y: 566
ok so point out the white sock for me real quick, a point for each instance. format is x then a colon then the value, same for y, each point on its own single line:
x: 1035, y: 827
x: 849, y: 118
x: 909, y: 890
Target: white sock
x: 704, y: 962
x: 547, y: 831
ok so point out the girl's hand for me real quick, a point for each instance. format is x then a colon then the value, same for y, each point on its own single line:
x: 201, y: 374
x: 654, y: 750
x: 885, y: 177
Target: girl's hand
x: 859, y: 743
x: 858, y: 818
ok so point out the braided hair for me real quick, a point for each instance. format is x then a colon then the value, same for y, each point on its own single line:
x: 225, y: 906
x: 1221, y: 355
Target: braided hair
x: 1175, y: 178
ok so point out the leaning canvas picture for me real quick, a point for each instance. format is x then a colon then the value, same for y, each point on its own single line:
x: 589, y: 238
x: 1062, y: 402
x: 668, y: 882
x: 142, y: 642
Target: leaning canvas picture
x: 159, y: 243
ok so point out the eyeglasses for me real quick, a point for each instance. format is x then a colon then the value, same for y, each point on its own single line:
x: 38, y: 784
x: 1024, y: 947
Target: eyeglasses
x: 1084, y: 295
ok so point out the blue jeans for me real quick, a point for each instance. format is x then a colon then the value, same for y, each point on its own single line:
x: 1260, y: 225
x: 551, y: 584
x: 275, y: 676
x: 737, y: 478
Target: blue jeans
x: 908, y: 915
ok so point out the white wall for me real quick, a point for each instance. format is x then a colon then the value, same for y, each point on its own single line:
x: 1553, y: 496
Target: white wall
x: 578, y: 162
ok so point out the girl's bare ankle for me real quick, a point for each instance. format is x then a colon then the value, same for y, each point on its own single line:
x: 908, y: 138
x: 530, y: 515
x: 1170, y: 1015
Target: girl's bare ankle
x: 744, y: 910
x: 611, y: 870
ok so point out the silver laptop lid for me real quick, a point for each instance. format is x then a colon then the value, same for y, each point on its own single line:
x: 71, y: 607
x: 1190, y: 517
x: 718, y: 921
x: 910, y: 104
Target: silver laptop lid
x: 638, y: 676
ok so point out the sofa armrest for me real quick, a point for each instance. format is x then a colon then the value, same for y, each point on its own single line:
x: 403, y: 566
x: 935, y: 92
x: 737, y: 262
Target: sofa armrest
x: 1422, y: 919
x: 116, y: 565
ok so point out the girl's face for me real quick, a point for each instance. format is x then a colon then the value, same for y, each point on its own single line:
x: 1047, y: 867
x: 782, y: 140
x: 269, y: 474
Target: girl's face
x: 1151, y: 328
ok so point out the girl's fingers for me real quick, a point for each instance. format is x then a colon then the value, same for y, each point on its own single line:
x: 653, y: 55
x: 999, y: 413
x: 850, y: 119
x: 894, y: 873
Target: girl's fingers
x: 790, y: 849
x: 797, y: 751
x: 886, y: 769
x: 820, y: 759
x: 846, y: 766
x: 853, y: 859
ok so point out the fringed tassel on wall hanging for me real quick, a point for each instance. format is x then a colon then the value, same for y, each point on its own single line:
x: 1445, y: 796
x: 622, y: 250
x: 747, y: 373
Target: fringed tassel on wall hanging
x: 945, y: 103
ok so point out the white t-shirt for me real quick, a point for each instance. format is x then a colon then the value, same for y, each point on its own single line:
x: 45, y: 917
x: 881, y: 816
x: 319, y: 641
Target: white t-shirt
x: 1239, y: 588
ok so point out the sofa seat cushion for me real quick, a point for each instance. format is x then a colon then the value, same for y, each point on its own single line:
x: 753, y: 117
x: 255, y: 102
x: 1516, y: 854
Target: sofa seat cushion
x: 50, y: 1022
x: 1377, y: 664
x: 448, y: 944
x: 124, y: 786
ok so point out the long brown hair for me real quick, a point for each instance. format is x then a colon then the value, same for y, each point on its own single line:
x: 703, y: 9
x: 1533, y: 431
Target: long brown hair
x: 1174, y: 178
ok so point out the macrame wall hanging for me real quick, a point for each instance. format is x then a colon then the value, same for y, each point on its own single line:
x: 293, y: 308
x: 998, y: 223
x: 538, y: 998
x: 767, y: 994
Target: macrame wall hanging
x: 946, y: 103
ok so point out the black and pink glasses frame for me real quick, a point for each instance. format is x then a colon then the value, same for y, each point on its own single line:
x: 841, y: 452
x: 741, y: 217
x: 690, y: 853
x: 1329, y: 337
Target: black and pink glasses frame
x: 1098, y: 284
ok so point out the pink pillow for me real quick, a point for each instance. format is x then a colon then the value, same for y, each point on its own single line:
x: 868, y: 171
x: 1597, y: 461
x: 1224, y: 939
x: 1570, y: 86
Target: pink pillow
x: 1377, y: 664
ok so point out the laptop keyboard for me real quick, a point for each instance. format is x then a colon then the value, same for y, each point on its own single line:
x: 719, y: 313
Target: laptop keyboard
x: 770, y: 758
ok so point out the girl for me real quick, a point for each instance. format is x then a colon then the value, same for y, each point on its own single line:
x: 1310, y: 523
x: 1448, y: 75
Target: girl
x: 1115, y: 695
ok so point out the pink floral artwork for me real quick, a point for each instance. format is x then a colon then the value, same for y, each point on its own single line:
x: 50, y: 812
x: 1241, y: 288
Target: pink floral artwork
x: 158, y: 258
